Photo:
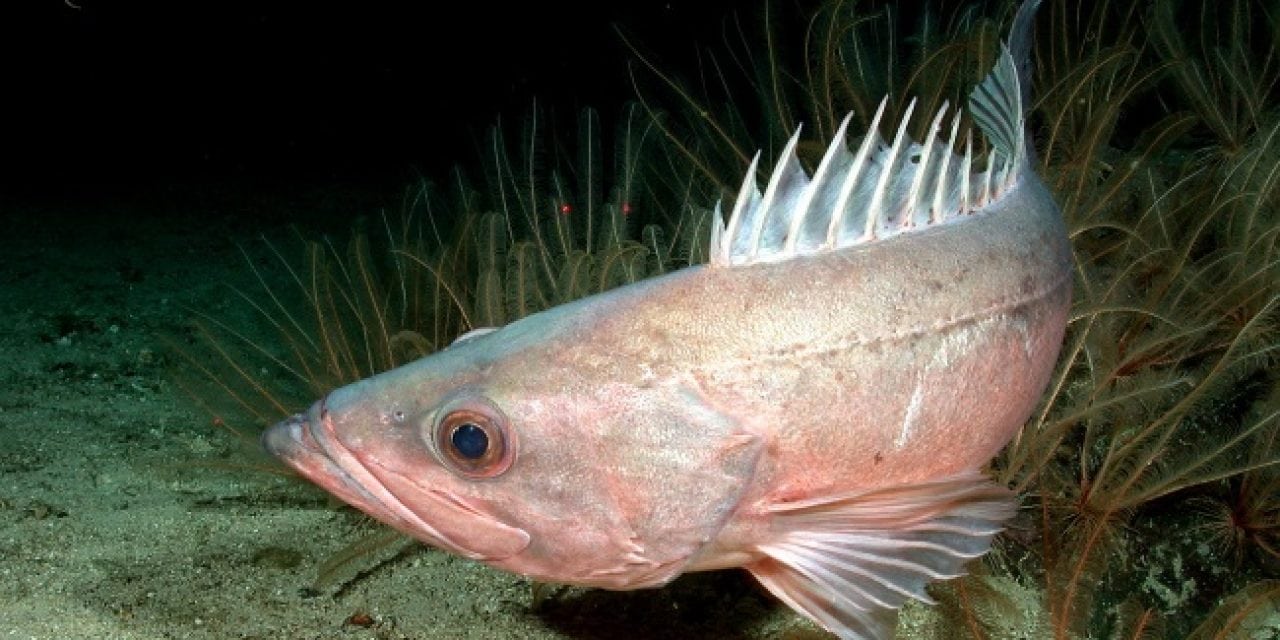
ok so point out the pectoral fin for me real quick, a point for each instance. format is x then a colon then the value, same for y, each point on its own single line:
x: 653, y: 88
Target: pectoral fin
x: 850, y: 561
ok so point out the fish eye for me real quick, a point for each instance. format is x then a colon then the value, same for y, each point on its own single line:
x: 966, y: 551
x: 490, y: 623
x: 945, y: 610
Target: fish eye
x: 471, y: 438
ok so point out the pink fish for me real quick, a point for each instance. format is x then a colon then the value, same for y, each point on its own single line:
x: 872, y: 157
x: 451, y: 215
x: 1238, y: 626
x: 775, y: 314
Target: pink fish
x: 813, y: 405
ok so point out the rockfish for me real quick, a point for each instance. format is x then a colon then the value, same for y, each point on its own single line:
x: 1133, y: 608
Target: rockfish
x: 813, y: 405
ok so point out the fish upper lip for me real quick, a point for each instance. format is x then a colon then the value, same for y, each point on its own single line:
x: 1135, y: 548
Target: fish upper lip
x: 307, y: 443
x: 283, y: 438
x: 295, y: 436
x: 294, y: 442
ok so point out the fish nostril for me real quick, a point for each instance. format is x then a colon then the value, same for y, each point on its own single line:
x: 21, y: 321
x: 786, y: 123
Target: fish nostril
x: 322, y: 407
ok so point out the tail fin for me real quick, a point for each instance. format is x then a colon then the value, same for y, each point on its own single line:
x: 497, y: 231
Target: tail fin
x: 886, y: 189
x: 999, y: 103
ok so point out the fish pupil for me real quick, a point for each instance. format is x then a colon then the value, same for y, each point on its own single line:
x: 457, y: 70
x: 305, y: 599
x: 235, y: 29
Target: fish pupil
x: 469, y: 440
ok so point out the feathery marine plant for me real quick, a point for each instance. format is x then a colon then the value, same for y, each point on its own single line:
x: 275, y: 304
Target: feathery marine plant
x: 1157, y: 416
x: 408, y: 284
x: 557, y: 219
x: 556, y: 237
x: 1243, y: 519
x: 755, y: 90
x: 1170, y: 330
x: 1227, y: 71
x: 1157, y: 405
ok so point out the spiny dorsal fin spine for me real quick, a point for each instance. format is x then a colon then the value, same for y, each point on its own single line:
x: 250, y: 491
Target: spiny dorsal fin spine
x: 943, y: 191
x: 787, y: 172
x: 878, y: 192
x: 876, y: 209
x: 987, y: 187
x: 717, y: 231
x: 922, y: 171
x: 841, y: 208
x: 747, y: 197
x: 819, y: 176
x: 966, y: 171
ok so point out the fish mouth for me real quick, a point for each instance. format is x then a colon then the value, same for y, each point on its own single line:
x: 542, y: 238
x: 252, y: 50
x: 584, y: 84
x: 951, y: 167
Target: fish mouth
x: 294, y: 442
x: 308, y: 443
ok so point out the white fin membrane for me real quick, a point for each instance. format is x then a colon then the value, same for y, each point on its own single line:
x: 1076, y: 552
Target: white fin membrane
x: 884, y: 190
x: 850, y: 561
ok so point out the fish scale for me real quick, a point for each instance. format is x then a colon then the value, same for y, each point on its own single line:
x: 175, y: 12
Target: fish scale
x: 814, y: 405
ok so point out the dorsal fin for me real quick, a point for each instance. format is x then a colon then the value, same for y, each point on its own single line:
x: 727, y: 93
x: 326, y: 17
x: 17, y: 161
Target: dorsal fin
x: 886, y: 190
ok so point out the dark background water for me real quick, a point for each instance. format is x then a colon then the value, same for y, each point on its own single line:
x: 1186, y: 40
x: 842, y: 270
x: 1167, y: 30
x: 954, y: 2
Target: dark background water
x: 102, y: 96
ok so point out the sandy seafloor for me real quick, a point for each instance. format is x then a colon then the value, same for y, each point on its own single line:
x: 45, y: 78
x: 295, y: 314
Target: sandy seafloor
x: 123, y: 514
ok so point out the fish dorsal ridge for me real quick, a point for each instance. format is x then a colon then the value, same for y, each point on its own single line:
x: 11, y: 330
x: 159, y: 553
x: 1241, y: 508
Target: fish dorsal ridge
x: 883, y: 189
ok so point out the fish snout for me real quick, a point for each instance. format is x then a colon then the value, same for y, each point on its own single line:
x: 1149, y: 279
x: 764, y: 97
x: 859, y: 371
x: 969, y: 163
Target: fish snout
x: 285, y: 436
x: 293, y: 438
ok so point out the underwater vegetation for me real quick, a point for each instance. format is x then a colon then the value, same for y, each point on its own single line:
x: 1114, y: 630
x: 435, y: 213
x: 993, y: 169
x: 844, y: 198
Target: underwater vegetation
x: 1151, y: 472
x: 551, y: 222
x: 549, y: 225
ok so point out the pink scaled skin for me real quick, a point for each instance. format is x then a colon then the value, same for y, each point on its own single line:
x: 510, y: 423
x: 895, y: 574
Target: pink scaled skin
x: 814, y: 405
x: 657, y: 428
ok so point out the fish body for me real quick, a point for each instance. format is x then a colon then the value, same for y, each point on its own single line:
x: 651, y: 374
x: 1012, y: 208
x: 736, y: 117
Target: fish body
x: 813, y: 405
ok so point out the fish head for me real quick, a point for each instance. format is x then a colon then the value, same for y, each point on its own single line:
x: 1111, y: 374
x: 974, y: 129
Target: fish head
x: 420, y: 461
x: 503, y: 454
